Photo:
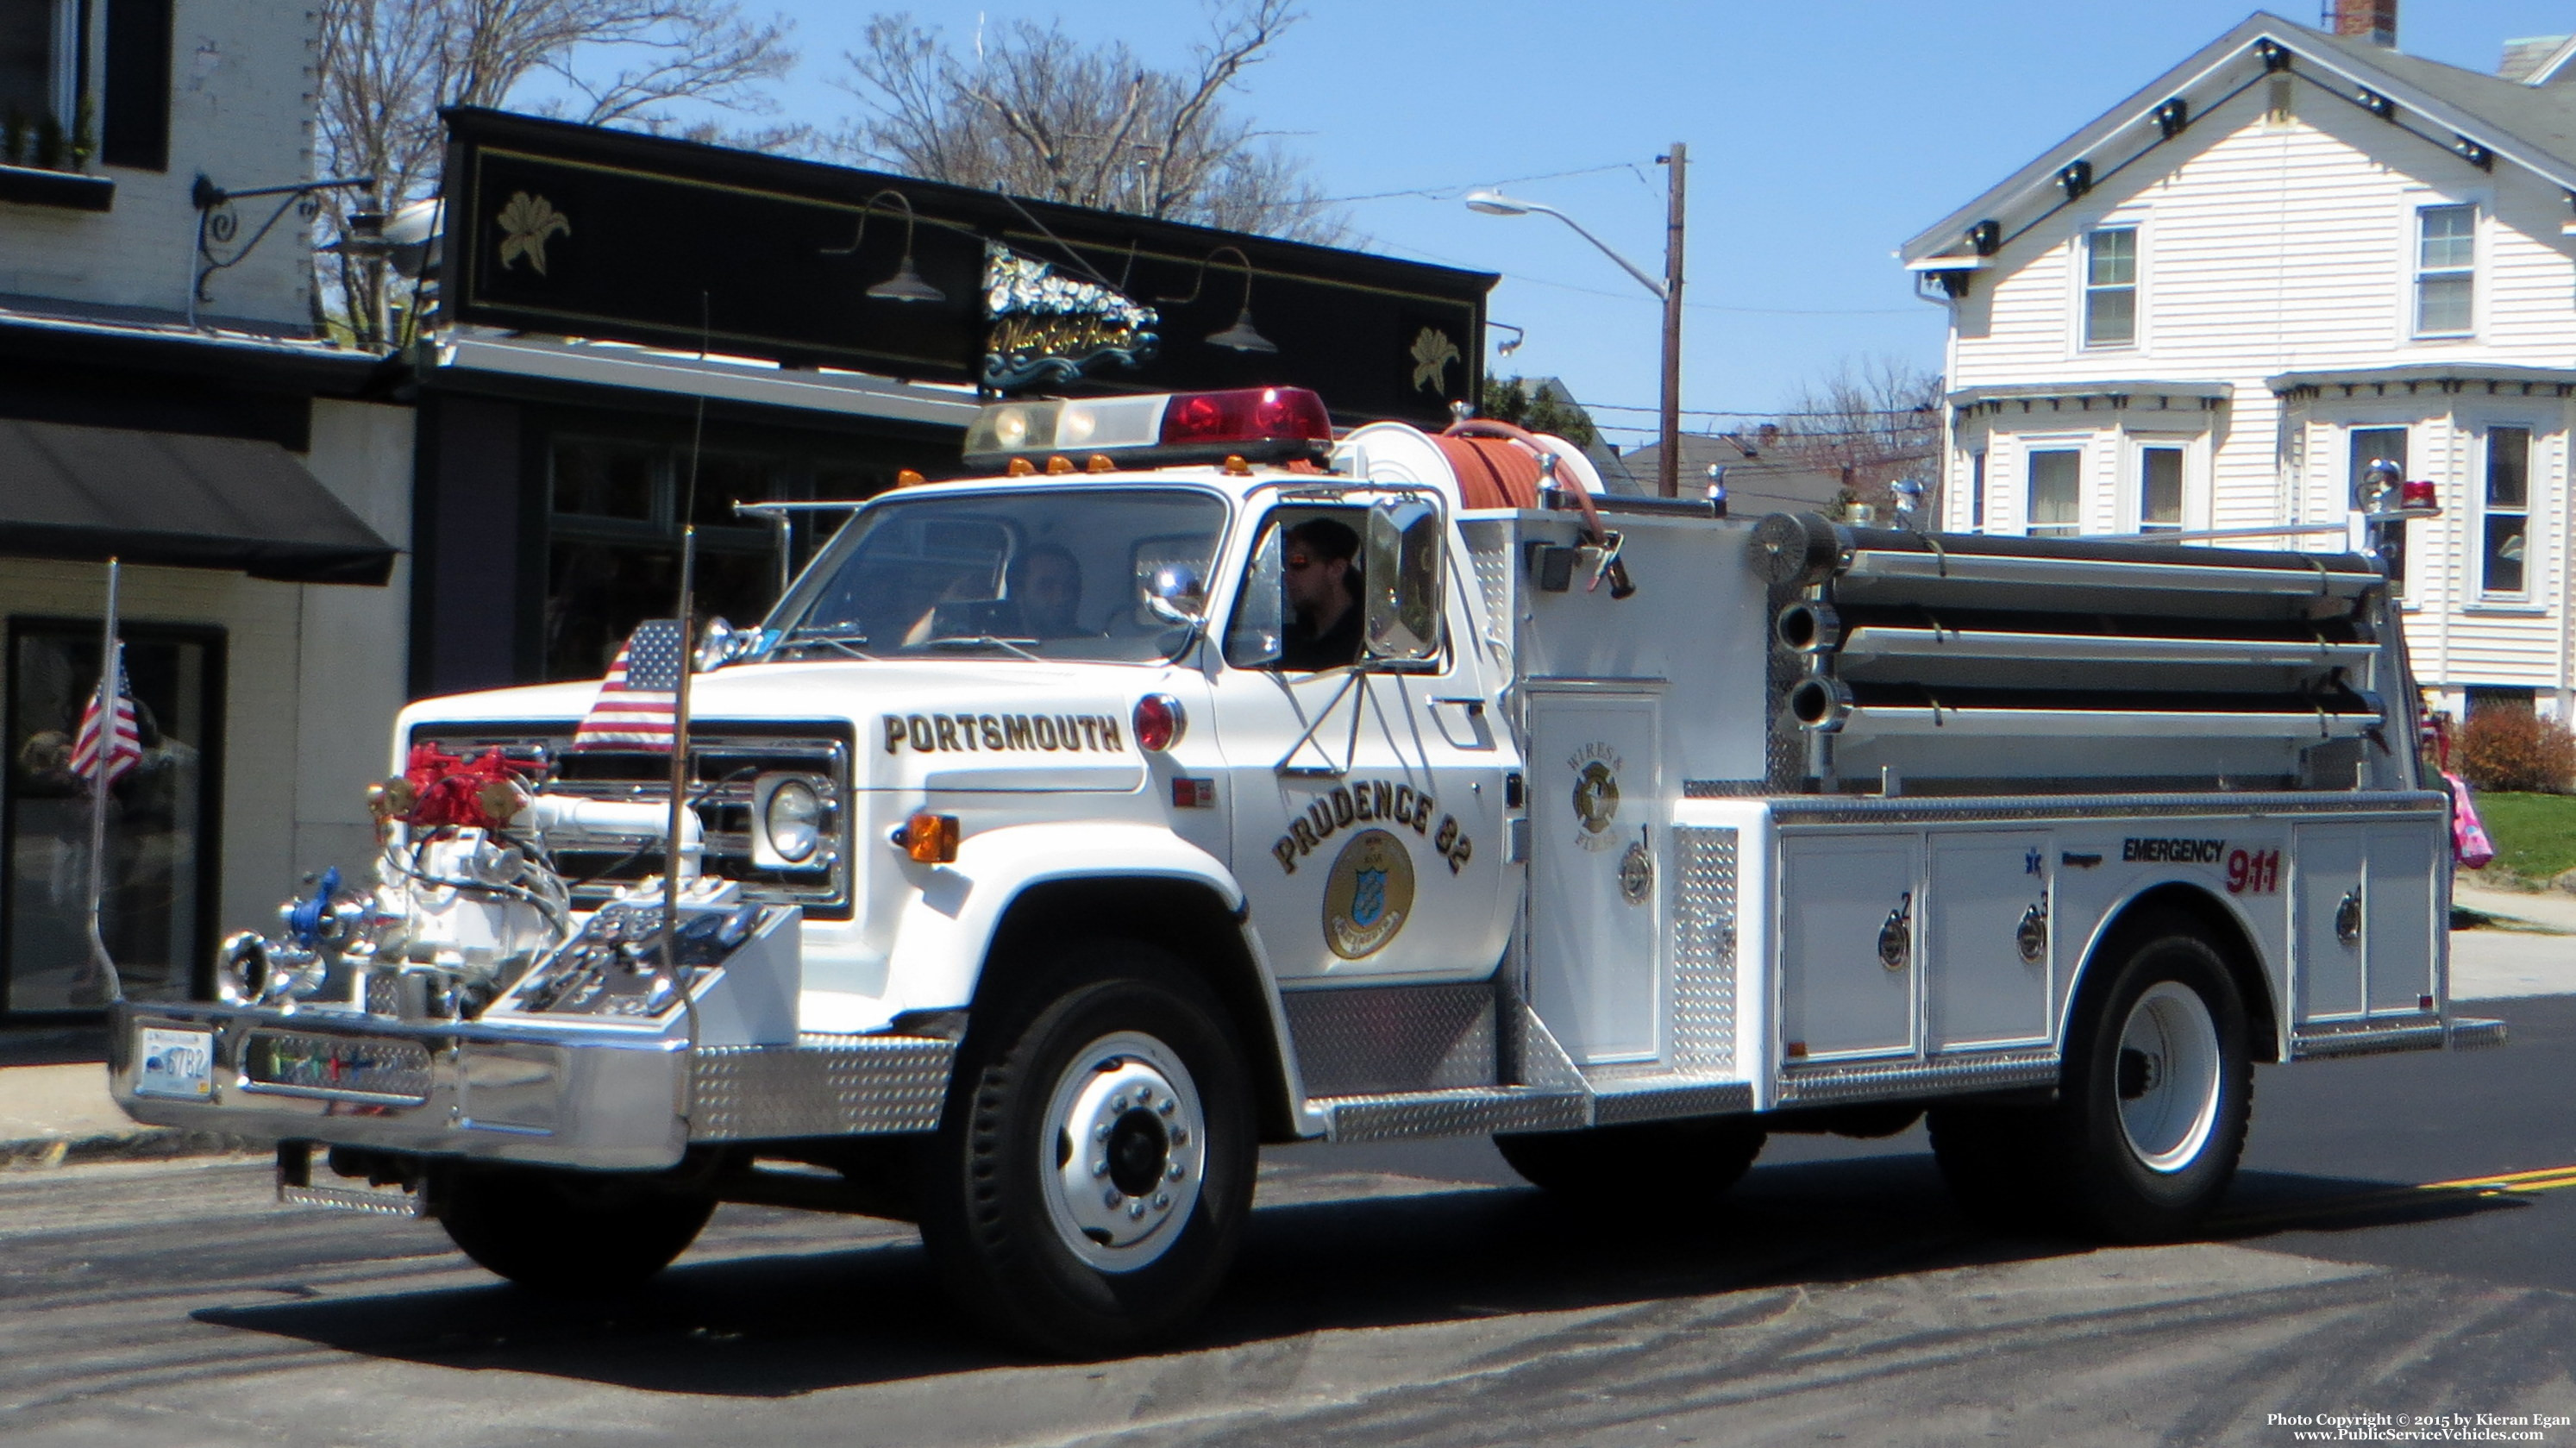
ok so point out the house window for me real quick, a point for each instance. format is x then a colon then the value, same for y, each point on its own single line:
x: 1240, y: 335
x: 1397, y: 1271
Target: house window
x: 2111, y: 287
x: 2054, y: 486
x: 1977, y: 492
x: 2160, y: 490
x: 2445, y: 269
x: 2507, y: 512
x: 34, y: 38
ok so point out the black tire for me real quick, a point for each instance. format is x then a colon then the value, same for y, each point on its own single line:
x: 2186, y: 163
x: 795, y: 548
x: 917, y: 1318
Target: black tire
x: 1119, y: 1038
x: 1664, y: 1166
x: 569, y: 1233
x: 2151, y: 1114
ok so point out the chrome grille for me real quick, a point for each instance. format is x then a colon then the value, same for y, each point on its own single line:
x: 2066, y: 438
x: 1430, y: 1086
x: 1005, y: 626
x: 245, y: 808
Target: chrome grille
x: 724, y: 759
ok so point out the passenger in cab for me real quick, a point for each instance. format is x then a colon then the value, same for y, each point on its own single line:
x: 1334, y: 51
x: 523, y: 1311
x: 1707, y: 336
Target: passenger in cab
x: 1321, y: 566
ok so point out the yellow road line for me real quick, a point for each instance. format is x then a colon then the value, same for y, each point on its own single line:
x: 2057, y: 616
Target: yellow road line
x: 2546, y: 1179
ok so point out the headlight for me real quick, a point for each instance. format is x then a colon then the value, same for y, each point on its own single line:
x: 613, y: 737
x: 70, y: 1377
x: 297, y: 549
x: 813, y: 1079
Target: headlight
x: 791, y: 821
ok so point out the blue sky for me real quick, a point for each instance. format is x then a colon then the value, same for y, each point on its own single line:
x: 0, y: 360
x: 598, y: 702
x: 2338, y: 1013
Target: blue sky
x: 1821, y: 135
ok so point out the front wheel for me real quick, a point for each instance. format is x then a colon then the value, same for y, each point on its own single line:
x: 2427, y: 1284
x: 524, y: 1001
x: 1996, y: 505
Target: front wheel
x: 1095, y: 1172
x: 569, y: 1233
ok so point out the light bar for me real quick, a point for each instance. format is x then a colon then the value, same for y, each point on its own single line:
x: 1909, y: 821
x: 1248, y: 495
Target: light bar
x: 1271, y: 424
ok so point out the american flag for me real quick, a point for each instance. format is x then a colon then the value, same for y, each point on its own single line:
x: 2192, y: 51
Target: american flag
x: 638, y: 703
x: 124, y: 743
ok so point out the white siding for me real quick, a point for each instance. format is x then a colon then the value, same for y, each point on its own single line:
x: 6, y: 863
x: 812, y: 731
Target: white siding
x: 2269, y: 249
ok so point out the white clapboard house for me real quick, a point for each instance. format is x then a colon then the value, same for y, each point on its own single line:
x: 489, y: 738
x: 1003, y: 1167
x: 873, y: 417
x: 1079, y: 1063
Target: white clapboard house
x: 2295, y: 252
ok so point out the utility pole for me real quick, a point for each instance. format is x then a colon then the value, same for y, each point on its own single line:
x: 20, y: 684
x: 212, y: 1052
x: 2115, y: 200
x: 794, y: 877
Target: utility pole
x: 1668, y: 476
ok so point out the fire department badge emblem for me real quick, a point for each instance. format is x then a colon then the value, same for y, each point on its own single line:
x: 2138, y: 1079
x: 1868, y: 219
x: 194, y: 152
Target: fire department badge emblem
x: 1596, y: 796
x: 1369, y: 894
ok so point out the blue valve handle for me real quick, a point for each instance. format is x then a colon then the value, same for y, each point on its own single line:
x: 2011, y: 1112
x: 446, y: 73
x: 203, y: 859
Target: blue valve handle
x: 306, y: 918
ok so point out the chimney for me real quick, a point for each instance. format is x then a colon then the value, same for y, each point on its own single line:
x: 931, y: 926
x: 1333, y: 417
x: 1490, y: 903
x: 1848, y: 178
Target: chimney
x: 2371, y: 20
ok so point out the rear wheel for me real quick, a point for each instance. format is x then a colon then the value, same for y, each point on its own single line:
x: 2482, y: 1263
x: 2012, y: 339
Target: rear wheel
x: 1095, y: 1172
x: 1650, y: 1164
x: 2151, y: 1116
x: 569, y: 1233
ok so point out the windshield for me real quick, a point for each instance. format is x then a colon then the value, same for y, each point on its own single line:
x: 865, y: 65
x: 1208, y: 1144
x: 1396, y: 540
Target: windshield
x: 1042, y: 573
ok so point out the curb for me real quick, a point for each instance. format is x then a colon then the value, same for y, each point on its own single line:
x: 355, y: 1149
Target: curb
x: 150, y: 1143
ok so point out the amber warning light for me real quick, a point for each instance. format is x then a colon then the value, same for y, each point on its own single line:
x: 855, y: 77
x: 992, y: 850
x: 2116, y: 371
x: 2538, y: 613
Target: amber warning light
x: 1263, y: 424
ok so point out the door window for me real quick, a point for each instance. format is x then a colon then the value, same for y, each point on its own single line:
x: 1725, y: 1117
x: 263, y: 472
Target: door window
x: 155, y: 914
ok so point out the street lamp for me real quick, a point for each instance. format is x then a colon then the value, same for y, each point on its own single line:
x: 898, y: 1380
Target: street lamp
x: 1490, y: 202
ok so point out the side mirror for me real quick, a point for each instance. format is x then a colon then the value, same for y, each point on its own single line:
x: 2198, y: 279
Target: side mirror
x: 1260, y: 613
x: 1401, y: 628
x: 1175, y: 595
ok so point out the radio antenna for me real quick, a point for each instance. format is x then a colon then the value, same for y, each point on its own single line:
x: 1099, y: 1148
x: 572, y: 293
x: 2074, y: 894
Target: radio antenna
x: 680, y: 698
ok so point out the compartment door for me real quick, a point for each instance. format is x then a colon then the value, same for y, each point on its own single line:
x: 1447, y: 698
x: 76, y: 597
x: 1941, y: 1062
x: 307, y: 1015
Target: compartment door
x: 1987, y: 944
x: 2399, y: 941
x: 1596, y: 902
x: 1850, y: 944
x: 2330, y: 913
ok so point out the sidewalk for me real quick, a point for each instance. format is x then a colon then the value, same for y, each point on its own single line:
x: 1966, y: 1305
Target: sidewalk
x: 55, y: 1110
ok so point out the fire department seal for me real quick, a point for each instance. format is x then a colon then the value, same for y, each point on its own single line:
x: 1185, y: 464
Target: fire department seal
x: 1596, y: 796
x: 1369, y: 894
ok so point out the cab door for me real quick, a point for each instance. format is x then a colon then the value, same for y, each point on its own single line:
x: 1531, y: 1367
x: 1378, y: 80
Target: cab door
x: 1368, y: 801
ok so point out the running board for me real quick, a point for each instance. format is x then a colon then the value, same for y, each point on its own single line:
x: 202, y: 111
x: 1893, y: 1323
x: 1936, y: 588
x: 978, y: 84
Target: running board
x: 1551, y: 1094
x: 2372, y: 1038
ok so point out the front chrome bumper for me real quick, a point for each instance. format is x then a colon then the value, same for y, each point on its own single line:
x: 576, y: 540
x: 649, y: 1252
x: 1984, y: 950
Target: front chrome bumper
x: 556, y: 1096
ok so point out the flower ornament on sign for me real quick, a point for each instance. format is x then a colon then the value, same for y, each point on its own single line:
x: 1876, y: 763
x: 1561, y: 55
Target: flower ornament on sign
x: 1432, y: 354
x: 525, y: 224
x: 1050, y: 328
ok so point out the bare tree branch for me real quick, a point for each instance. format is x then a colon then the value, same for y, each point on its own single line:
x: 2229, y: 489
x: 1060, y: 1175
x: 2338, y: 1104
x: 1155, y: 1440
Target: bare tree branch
x: 1873, y: 421
x: 388, y: 66
x: 1035, y: 111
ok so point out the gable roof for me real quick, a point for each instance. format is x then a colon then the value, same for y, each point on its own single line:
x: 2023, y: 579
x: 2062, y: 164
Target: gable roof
x: 2531, y: 126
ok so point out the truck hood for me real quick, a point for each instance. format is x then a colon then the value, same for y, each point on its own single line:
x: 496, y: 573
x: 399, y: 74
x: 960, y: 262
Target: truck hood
x: 970, y: 724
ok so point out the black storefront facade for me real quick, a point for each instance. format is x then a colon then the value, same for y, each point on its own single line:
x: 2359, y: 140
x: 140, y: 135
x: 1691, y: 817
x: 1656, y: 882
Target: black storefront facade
x: 614, y: 308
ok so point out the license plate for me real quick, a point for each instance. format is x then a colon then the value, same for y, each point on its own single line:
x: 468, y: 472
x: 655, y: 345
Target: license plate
x: 177, y: 1063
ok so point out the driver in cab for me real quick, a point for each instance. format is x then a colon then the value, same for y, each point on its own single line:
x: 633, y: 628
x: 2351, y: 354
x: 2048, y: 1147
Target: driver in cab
x: 1320, y: 565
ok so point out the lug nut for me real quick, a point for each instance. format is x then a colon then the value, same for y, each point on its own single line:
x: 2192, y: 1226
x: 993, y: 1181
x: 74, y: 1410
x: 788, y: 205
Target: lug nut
x: 1111, y: 1198
x: 1166, y: 1107
x: 1100, y: 1168
x: 1162, y: 1201
x: 1135, y: 1211
x: 1172, y: 1173
x: 1118, y: 1103
x: 1100, y: 1132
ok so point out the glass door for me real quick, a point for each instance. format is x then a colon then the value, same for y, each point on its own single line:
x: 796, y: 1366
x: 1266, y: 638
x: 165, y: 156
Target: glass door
x: 157, y: 909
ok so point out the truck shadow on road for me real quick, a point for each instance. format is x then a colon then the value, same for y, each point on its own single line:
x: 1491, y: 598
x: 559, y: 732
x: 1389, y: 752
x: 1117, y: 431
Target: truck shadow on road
x: 780, y: 1326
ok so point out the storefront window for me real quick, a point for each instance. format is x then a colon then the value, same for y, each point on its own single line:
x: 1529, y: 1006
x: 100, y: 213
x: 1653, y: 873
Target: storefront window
x: 161, y: 818
x: 613, y: 559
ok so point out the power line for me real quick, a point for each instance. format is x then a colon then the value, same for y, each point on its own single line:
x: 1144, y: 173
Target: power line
x: 1642, y: 299
x: 1933, y: 410
x: 1452, y: 192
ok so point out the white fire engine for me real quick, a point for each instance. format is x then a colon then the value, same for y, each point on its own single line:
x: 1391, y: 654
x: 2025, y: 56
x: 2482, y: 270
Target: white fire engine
x: 1194, y: 778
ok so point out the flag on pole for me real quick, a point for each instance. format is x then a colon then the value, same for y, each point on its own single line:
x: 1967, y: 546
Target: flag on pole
x: 117, y: 745
x: 638, y: 703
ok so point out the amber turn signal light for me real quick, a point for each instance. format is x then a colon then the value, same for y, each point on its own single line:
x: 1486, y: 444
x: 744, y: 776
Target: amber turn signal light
x: 929, y: 838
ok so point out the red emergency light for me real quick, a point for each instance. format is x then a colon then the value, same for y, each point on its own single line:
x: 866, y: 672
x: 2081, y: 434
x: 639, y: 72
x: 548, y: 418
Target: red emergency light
x: 1258, y: 424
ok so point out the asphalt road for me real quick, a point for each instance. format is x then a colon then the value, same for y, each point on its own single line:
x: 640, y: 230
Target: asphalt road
x: 1389, y: 1294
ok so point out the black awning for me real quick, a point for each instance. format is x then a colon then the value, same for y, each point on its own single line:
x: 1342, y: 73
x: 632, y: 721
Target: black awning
x: 180, y: 501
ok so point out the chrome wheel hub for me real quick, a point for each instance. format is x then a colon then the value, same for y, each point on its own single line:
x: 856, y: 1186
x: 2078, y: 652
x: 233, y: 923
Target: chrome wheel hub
x: 2168, y: 1077
x: 1126, y: 1144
